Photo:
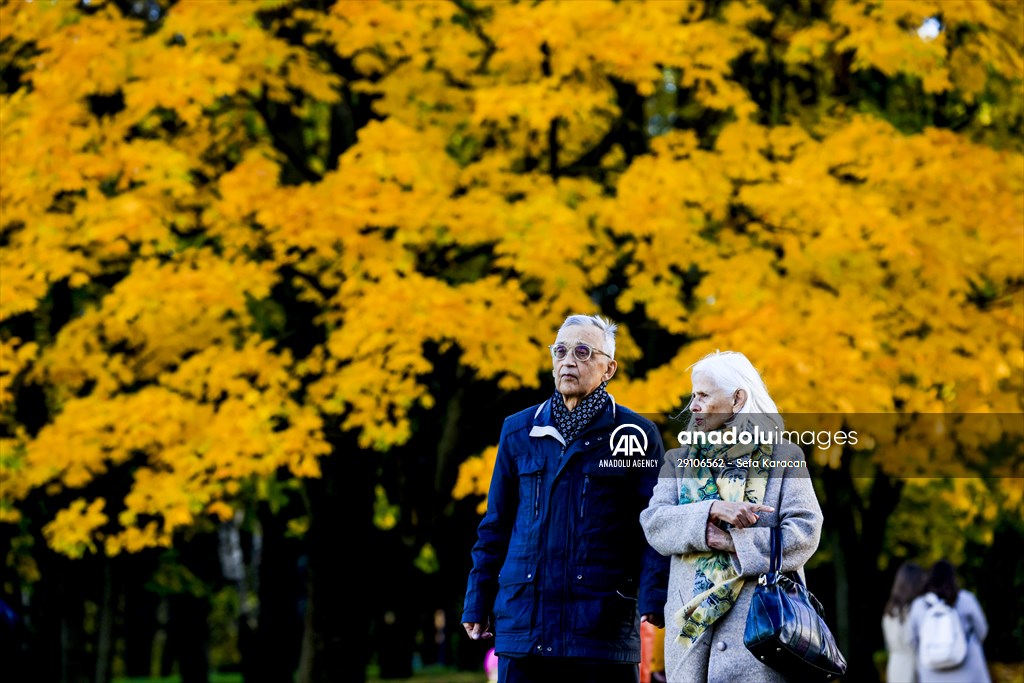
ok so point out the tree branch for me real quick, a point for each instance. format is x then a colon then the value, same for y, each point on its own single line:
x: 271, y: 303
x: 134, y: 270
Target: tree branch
x: 297, y: 158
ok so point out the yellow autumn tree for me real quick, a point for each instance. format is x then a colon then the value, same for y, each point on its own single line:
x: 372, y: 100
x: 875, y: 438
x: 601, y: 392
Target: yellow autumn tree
x: 244, y: 240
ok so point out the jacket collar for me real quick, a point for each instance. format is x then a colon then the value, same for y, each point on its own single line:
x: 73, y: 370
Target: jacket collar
x: 544, y: 424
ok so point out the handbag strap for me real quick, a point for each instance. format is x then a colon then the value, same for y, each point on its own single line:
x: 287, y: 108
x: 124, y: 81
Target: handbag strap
x: 775, y: 570
x: 775, y: 560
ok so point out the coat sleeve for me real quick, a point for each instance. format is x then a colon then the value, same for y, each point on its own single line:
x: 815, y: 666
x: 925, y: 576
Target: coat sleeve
x: 493, y: 535
x: 671, y: 528
x: 655, y: 568
x: 800, y: 521
x: 974, y: 615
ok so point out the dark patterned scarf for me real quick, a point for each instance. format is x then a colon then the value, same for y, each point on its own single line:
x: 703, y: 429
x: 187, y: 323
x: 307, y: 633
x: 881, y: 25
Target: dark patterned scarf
x: 571, y: 423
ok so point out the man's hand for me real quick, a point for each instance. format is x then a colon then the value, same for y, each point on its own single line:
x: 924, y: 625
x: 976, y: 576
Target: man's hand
x: 655, y: 619
x: 740, y: 515
x: 478, y: 631
x: 718, y: 539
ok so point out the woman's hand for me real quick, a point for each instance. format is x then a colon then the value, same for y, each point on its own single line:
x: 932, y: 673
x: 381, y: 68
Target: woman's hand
x: 740, y: 515
x: 718, y: 539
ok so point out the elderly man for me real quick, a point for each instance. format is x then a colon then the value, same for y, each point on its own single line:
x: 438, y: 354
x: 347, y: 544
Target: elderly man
x: 561, y: 561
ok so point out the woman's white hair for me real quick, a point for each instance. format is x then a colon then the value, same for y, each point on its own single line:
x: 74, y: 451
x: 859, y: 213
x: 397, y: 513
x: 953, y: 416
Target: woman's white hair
x: 606, y: 326
x: 731, y: 370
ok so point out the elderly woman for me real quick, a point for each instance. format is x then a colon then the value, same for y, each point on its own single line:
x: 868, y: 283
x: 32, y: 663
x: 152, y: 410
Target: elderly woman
x: 713, y: 516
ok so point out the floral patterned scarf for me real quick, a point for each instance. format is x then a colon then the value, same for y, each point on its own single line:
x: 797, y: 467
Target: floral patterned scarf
x: 570, y: 423
x: 716, y: 585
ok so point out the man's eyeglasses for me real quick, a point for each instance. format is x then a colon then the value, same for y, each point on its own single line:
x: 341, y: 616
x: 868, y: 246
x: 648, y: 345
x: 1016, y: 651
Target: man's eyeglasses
x: 581, y: 352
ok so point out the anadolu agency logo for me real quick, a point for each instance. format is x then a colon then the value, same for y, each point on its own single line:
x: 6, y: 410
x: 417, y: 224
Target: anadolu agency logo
x: 627, y: 442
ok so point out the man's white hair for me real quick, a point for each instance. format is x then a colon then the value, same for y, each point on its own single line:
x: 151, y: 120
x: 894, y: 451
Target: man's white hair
x: 731, y: 370
x: 606, y: 326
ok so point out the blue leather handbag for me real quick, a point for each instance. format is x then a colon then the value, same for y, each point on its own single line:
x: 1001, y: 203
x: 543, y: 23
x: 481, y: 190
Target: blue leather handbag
x: 786, y: 627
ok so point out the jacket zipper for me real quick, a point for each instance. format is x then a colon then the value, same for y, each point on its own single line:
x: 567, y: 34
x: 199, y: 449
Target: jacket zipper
x: 583, y: 498
x: 536, y: 498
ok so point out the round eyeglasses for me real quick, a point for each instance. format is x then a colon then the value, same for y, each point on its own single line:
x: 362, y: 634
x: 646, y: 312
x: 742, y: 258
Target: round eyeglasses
x: 581, y: 352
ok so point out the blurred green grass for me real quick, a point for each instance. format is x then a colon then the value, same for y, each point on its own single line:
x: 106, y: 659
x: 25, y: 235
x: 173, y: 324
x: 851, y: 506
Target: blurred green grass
x: 434, y: 675
x: 1001, y: 673
x: 214, y: 678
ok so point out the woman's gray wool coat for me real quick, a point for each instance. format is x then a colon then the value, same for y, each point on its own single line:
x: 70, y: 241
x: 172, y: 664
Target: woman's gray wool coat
x: 719, y: 656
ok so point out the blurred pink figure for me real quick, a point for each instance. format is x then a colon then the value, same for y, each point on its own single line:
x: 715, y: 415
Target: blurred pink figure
x: 491, y: 665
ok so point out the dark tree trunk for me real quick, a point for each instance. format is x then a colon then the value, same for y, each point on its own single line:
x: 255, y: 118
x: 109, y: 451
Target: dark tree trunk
x: 166, y: 643
x: 58, y: 639
x: 105, y: 627
x: 13, y: 628
x: 305, y: 672
x: 860, y: 536
x: 190, y: 633
x: 188, y: 627
x: 75, y: 576
x: 140, y: 615
x: 44, y: 621
x: 841, y: 509
x: 398, y: 605
x: 276, y: 643
x: 340, y: 535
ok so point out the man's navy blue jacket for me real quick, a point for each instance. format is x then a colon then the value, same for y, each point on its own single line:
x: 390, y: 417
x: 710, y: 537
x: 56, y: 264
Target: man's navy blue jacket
x: 561, y: 559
